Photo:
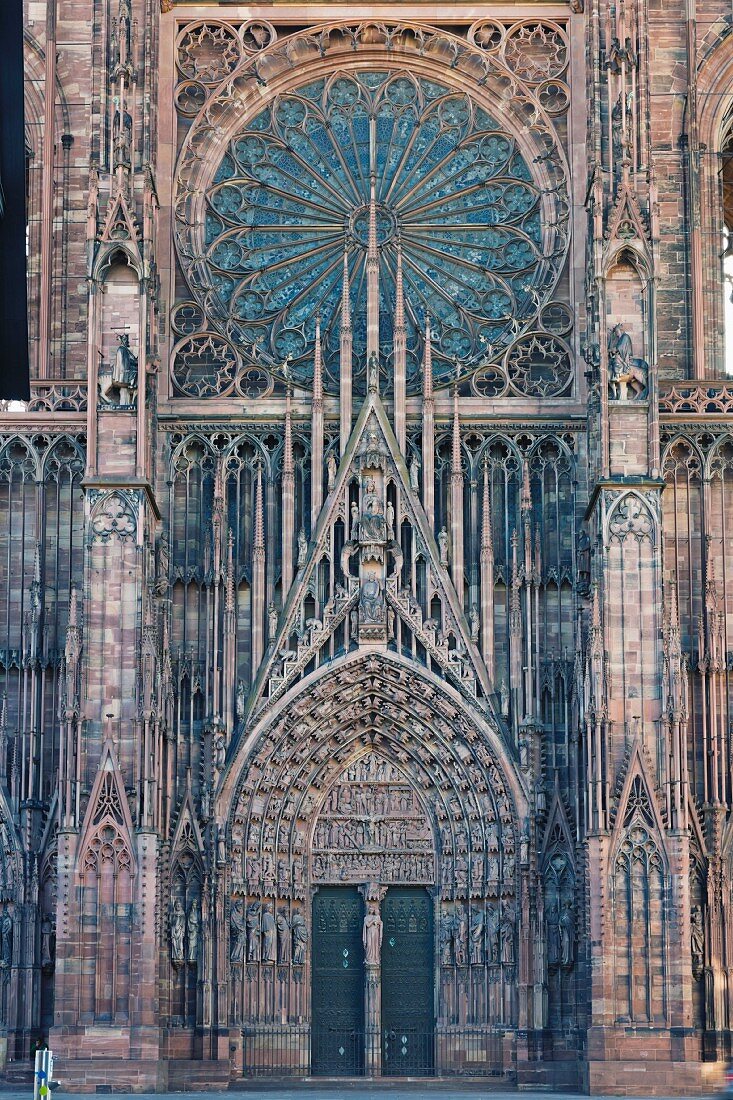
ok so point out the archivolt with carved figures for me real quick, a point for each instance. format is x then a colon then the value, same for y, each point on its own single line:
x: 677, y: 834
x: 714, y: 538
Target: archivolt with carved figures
x: 373, y: 771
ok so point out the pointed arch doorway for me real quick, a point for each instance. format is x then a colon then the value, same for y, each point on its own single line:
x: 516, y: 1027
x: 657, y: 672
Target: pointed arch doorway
x: 375, y: 1013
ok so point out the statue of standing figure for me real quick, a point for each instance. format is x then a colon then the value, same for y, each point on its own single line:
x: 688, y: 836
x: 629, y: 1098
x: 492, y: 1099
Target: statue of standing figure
x: 443, y: 546
x: 299, y: 930
x: 272, y: 618
x: 239, y: 933
x: 269, y: 932
x: 567, y: 934
x: 6, y: 941
x: 302, y: 548
x: 178, y: 931
x: 415, y: 473
x: 284, y: 940
x: 372, y: 936
x: 332, y: 468
x: 119, y: 386
x: 192, y: 927
x: 254, y: 932
x: 477, y: 937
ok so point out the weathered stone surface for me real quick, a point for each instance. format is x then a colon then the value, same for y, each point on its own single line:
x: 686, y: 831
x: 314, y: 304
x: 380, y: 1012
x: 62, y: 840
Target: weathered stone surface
x: 369, y: 526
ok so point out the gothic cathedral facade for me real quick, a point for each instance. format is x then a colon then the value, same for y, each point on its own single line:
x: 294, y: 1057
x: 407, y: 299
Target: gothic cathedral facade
x: 366, y: 546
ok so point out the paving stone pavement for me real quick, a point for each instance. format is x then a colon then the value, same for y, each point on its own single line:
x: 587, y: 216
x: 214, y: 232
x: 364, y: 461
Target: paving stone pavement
x: 335, y: 1090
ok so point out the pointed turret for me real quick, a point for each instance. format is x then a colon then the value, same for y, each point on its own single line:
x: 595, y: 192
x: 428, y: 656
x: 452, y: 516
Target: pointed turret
x: 317, y: 430
x: 400, y: 365
x: 346, y: 358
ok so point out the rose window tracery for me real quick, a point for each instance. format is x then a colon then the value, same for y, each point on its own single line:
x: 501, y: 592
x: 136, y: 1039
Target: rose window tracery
x: 456, y: 193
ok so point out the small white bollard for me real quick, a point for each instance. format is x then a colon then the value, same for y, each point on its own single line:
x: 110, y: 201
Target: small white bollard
x: 42, y: 1078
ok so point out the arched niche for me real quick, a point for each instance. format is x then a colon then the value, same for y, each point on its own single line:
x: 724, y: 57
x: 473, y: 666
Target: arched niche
x: 120, y: 306
x: 626, y: 301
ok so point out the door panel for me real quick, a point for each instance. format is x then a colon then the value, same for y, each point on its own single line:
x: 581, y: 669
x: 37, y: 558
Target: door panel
x: 408, y: 1018
x: 337, y: 1032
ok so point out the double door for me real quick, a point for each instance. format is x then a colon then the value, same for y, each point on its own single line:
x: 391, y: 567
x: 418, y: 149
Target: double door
x: 407, y: 984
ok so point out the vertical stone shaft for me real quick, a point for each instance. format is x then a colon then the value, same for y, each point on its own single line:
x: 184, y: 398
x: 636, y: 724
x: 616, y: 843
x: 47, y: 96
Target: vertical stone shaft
x: 456, y: 483
x: 400, y: 352
x: 487, y: 578
x: 317, y: 432
x: 515, y: 641
x: 230, y: 641
x: 218, y: 525
x: 372, y: 258
x: 345, y: 359
x: 47, y: 203
x: 526, y: 508
x: 288, y: 500
x: 258, y: 575
x: 428, y: 430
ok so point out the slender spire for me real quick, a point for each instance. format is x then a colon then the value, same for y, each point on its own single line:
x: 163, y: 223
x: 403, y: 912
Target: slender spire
x: 487, y: 535
x: 258, y: 574
x: 457, y: 501
x: 526, y: 500
x: 487, y: 577
x: 229, y: 588
x: 288, y: 463
x: 73, y: 606
x: 317, y: 430
x: 428, y: 429
x: 258, y: 544
x: 456, y: 441
x: 346, y: 358
x: 345, y: 296
x: 318, y: 365
x: 372, y: 258
x: 400, y: 426
x: 427, y: 373
x: 399, y: 311
x: 288, y: 497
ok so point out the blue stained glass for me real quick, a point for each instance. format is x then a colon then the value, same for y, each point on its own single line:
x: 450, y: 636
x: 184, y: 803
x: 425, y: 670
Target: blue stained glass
x: 453, y: 190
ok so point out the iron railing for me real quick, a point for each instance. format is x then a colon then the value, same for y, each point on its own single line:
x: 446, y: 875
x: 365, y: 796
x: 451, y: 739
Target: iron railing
x: 302, y: 1051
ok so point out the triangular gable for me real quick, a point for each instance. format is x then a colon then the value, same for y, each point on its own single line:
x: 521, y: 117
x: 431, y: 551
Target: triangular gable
x: 108, y: 801
x: 187, y: 833
x: 627, y: 229
x: 557, y: 830
x: 462, y: 664
x: 120, y: 223
x: 636, y: 774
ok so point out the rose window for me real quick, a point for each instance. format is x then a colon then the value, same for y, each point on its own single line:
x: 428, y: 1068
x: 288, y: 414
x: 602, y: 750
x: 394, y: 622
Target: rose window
x: 455, y: 196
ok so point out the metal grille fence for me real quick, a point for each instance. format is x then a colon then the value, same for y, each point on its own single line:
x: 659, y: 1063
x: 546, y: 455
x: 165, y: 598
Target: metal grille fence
x: 301, y: 1051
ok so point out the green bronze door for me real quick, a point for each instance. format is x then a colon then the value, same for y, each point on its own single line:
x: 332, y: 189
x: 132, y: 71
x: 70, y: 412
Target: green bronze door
x: 408, y: 1016
x: 337, y: 1029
